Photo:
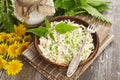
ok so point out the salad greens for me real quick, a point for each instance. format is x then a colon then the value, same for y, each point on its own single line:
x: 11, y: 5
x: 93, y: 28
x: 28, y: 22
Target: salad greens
x: 40, y: 31
x: 47, y: 30
x: 63, y: 28
x: 47, y: 23
x: 75, y: 7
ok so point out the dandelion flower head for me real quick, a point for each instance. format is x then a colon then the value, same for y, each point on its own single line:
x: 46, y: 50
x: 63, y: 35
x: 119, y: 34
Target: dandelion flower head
x: 3, y: 36
x: 14, y: 50
x: 13, y: 67
x: 3, y: 49
x: 20, y: 29
x: 2, y: 62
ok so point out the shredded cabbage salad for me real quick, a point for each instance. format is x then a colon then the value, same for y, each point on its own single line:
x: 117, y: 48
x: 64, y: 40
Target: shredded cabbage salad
x: 66, y: 46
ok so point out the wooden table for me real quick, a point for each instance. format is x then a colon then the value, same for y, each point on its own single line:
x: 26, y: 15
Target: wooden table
x: 105, y: 67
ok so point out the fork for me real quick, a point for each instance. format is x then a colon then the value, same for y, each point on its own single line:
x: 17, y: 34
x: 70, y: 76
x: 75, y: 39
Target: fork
x: 76, y: 59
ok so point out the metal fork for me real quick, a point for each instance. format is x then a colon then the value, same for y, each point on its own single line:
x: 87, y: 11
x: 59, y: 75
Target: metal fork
x: 76, y: 60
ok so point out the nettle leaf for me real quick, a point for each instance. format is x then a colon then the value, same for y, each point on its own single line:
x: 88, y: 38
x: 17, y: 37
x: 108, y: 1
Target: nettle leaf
x: 48, y: 31
x: 6, y: 18
x: 102, y: 8
x: 97, y: 2
x: 8, y: 24
x: 57, y: 3
x: 79, y: 7
x: 94, y: 12
x: 52, y: 36
x: 63, y: 28
x: 40, y: 31
x: 74, y: 13
x: 64, y: 4
x: 47, y: 23
x: 80, y: 2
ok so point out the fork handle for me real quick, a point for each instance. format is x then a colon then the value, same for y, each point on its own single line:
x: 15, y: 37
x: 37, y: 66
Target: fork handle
x: 75, y: 62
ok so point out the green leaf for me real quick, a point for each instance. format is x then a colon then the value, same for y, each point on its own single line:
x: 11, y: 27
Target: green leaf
x: 57, y: 3
x: 51, y: 36
x: 8, y: 23
x: 6, y: 18
x: 64, y: 4
x: 47, y: 23
x: 40, y: 31
x: 102, y: 8
x: 63, y: 28
x: 80, y: 2
x: 79, y: 7
x: 92, y: 11
x: 97, y: 2
x: 75, y: 11
x: 59, y: 12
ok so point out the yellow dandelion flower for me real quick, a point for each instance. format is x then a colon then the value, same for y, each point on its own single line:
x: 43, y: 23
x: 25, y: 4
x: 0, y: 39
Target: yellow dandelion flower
x: 17, y: 38
x: 13, y: 50
x: 3, y: 36
x: 12, y: 34
x: 2, y: 62
x: 8, y: 35
x: 10, y: 40
x: 27, y: 38
x: 23, y: 46
x: 1, y: 40
x: 3, y: 49
x: 20, y: 29
x: 13, y: 67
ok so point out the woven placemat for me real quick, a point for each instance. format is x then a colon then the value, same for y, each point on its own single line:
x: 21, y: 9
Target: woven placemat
x: 54, y: 73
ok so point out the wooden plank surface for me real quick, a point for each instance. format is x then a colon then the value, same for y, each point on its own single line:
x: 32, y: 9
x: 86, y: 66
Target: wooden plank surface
x: 105, y: 67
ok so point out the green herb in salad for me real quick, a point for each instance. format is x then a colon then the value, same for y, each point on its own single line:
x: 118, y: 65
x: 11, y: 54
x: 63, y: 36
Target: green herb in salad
x: 47, y: 23
x: 75, y: 7
x: 40, y: 31
x: 61, y: 28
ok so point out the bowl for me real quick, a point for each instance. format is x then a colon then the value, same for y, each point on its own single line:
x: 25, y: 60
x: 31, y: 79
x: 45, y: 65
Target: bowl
x: 78, y: 21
